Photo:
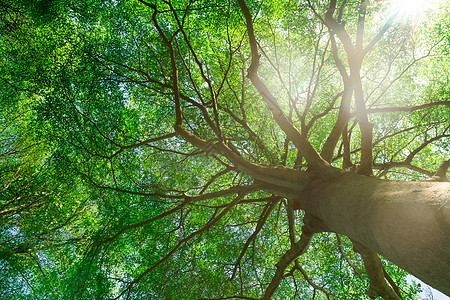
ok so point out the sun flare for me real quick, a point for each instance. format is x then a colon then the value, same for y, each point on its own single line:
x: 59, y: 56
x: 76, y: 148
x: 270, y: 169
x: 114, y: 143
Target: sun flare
x: 411, y: 8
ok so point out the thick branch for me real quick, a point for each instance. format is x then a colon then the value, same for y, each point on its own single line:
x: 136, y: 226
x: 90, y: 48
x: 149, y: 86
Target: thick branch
x: 277, y: 176
x: 366, y: 129
x: 361, y: 24
x: 194, y: 198
x: 442, y: 171
x: 341, y: 123
x: 168, y: 43
x: 291, y: 223
x: 337, y: 28
x: 375, y: 271
x: 337, y: 60
x: 355, y: 57
x: 300, y: 142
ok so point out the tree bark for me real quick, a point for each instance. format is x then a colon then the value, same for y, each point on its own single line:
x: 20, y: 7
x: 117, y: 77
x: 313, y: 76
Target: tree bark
x: 408, y: 223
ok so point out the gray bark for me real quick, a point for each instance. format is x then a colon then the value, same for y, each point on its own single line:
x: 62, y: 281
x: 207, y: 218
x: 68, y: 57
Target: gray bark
x: 408, y: 223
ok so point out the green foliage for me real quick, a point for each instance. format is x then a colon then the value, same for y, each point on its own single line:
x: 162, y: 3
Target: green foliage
x: 84, y: 81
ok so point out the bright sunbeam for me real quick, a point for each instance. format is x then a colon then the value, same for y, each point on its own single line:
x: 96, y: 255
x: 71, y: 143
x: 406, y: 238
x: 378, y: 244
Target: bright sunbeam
x: 411, y: 8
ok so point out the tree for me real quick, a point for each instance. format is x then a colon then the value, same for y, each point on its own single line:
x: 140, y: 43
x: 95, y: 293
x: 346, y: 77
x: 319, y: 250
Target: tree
x: 223, y: 149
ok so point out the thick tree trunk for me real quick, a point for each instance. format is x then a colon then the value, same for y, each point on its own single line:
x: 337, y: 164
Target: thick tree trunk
x: 406, y: 222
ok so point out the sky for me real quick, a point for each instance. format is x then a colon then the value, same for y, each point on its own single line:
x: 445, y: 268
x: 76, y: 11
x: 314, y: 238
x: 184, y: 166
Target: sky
x: 425, y: 295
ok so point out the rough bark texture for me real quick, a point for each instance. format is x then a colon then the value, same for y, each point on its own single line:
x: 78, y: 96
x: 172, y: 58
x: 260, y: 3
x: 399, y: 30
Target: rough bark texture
x: 406, y: 222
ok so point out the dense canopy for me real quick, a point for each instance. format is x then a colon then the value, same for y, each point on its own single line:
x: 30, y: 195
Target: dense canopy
x: 224, y: 149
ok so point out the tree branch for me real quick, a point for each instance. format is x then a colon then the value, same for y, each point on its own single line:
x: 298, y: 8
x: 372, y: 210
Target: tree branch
x: 341, y: 249
x: 442, y: 171
x: 143, y: 223
x: 299, y: 267
x: 262, y: 220
x: 407, y: 109
x: 282, y: 177
x: 375, y: 271
x: 389, y: 165
x: 296, y: 250
x: 300, y: 142
x: 361, y: 24
x: 380, y: 34
x: 168, y: 43
x: 181, y: 242
x: 410, y: 157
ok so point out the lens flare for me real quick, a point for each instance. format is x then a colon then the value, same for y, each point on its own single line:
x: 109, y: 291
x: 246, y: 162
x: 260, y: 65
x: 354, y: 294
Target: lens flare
x: 411, y: 8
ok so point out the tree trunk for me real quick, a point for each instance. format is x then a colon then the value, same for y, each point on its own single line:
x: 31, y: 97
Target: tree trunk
x: 408, y: 223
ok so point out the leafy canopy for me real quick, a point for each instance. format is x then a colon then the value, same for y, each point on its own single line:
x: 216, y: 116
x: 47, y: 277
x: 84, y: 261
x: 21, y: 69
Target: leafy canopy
x: 101, y: 198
